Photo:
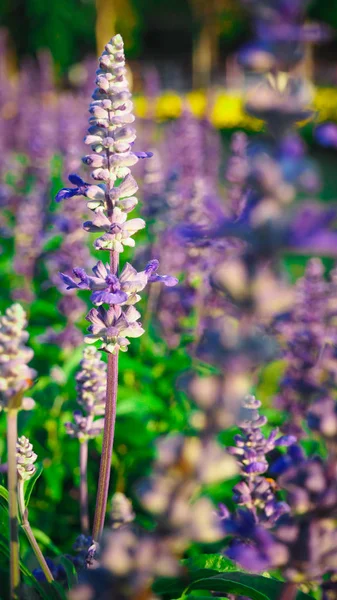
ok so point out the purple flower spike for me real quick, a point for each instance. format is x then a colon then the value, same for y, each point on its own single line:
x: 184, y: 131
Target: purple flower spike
x: 153, y: 277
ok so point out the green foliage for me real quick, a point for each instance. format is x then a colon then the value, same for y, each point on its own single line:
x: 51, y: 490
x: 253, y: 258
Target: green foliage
x: 216, y: 573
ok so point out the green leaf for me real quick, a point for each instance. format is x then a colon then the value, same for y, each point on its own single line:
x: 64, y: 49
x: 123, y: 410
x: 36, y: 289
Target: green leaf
x: 70, y: 571
x: 215, y: 562
x: 58, y: 592
x: 4, y: 494
x: 260, y: 588
x: 166, y: 585
x: 28, y: 578
x: 29, y: 486
x: 228, y: 586
x: 45, y: 540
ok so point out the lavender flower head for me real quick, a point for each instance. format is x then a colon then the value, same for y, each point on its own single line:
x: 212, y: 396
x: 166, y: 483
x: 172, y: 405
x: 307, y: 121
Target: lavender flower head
x: 91, y: 392
x: 121, y: 512
x: 25, y: 458
x: 255, y: 491
x: 15, y: 375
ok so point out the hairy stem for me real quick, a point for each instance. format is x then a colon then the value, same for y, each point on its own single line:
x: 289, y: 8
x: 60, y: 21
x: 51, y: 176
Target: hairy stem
x: 108, y: 439
x: 289, y: 591
x: 109, y: 432
x: 29, y: 533
x: 12, y: 436
x: 84, y: 509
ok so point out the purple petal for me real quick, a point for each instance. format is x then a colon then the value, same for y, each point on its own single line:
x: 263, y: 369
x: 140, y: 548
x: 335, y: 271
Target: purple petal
x: 100, y: 270
x: 76, y: 180
x: 256, y: 467
x: 151, y: 266
x: 248, y: 557
x: 106, y: 297
x: 286, y: 440
x: 69, y: 281
x: 165, y: 279
x: 143, y: 154
x: 81, y: 274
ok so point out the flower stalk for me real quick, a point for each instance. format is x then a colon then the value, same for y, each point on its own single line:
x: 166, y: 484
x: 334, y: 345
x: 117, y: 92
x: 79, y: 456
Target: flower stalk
x: 108, y: 439
x: 12, y: 429
x: 15, y: 379
x: 84, y: 507
x: 25, y: 467
x: 289, y: 591
x: 109, y: 431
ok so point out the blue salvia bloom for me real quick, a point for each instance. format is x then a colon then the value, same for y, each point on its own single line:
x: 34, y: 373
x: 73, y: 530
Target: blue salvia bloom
x: 305, y: 335
x: 255, y: 491
x: 111, y: 138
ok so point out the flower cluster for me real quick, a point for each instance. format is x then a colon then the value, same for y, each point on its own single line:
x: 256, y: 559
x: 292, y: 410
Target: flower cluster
x: 256, y: 491
x: 91, y: 391
x: 25, y: 458
x: 121, y: 512
x: 15, y: 375
x: 306, y: 335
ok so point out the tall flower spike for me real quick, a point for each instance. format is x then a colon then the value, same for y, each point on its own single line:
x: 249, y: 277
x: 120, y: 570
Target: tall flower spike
x: 111, y: 138
x: 15, y: 375
x: 255, y: 491
x: 91, y: 392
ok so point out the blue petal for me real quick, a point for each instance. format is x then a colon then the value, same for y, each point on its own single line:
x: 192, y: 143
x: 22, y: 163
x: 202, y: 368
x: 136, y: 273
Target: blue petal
x: 144, y: 154
x: 65, y: 193
x: 81, y: 274
x: 151, y: 266
x: 165, y: 279
x: 76, y: 180
x: 70, y: 283
x: 106, y: 297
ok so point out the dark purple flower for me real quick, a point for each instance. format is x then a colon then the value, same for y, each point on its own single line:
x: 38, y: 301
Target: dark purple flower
x: 256, y: 492
x: 294, y: 456
x: 79, y: 190
x: 253, y: 547
x: 326, y: 135
x: 57, y: 571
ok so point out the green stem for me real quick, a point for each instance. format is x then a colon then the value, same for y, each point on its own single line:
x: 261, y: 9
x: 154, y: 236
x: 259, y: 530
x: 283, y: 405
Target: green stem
x: 30, y: 535
x: 12, y: 436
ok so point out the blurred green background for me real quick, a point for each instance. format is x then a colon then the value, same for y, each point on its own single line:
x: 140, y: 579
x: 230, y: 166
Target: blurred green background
x: 192, y: 31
